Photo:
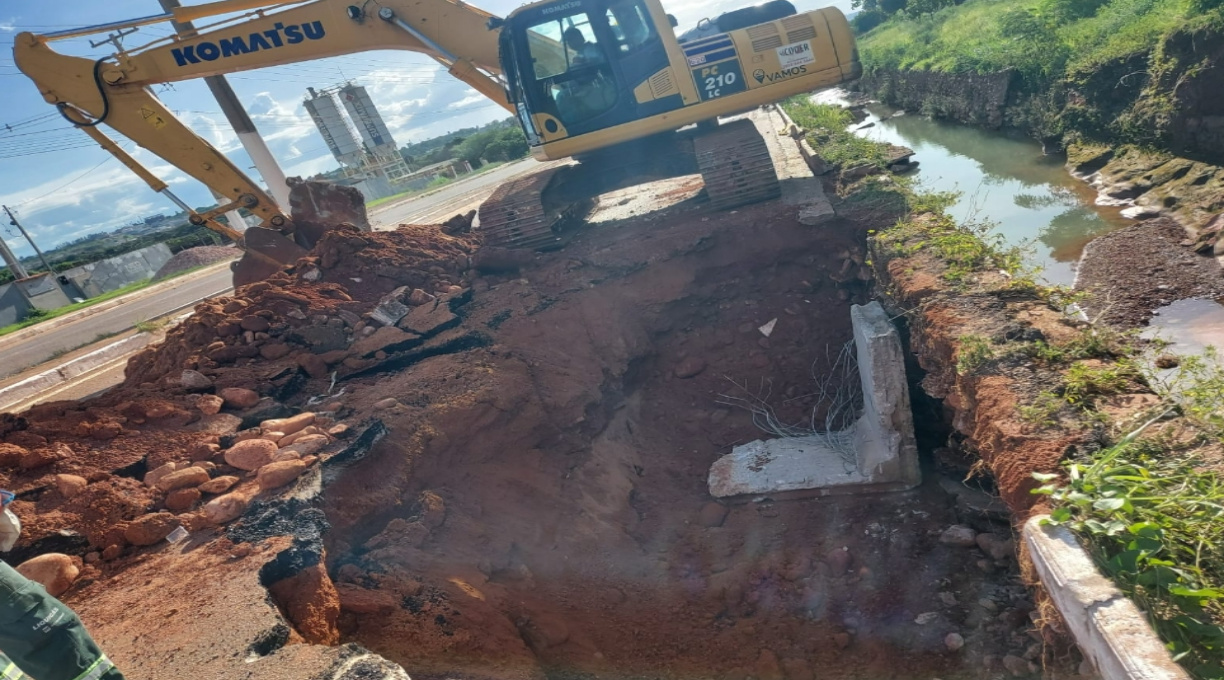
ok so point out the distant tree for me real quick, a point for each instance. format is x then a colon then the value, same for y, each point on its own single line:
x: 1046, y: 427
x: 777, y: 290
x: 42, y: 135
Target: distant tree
x: 868, y: 19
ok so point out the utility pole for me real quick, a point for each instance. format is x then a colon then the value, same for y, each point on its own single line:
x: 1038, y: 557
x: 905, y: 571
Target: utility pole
x: 255, y: 146
x: 13, y: 221
x: 14, y: 265
x: 115, y: 39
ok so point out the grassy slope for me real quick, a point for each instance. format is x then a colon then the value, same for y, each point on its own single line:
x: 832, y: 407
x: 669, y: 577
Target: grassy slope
x: 983, y: 36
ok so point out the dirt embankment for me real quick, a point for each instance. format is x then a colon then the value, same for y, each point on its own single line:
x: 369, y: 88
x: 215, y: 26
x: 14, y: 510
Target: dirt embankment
x: 517, y: 483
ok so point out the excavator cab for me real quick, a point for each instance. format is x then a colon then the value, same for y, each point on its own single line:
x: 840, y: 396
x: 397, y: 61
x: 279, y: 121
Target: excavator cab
x: 571, y: 67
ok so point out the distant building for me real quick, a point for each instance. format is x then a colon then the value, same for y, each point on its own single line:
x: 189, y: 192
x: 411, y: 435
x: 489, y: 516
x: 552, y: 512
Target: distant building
x: 374, y: 164
x: 335, y: 130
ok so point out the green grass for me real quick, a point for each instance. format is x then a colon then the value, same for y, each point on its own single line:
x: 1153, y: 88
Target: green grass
x: 987, y: 36
x: 1155, y: 525
x: 827, y: 132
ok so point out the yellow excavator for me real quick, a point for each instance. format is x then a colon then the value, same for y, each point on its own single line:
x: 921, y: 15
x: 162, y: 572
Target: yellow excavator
x: 607, y: 82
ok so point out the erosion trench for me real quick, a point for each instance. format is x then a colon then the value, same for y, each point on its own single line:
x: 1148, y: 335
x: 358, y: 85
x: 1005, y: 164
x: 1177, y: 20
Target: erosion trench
x: 540, y: 507
x: 517, y: 486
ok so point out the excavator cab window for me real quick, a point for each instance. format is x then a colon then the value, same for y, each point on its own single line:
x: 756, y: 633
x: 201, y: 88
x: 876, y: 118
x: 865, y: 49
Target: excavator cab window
x: 630, y: 23
x: 571, y: 68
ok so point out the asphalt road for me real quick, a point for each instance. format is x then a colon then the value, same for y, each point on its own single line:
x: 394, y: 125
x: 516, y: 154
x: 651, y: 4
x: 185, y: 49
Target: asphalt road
x: 452, y: 199
x: 460, y: 196
x: 22, y: 353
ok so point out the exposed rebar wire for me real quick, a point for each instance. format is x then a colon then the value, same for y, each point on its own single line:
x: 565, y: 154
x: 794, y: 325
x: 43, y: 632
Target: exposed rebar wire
x: 838, y: 396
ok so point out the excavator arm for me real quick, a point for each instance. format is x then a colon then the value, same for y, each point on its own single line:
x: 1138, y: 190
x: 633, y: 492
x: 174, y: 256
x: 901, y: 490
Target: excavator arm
x: 115, y: 91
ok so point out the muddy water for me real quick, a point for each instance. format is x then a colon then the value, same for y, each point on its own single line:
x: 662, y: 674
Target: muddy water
x: 1005, y: 180
x: 1190, y: 326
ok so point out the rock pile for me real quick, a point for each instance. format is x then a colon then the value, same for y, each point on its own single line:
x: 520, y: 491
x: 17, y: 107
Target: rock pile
x: 356, y: 294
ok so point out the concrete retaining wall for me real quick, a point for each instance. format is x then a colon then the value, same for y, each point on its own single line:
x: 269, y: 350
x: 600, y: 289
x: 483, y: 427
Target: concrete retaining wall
x: 971, y: 98
x: 1109, y: 628
x: 13, y: 305
x: 43, y: 291
x: 116, y: 272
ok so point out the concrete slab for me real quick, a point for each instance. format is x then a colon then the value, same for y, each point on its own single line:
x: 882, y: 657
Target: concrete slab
x: 1109, y: 628
x: 799, y: 186
x: 877, y: 453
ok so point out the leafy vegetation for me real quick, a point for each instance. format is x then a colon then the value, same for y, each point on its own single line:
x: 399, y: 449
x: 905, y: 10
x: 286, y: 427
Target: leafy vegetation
x: 974, y: 351
x: 827, y: 132
x: 1197, y: 389
x: 1043, y: 40
x: 1155, y: 524
x: 499, y: 141
x: 101, y: 246
x: 1151, y: 514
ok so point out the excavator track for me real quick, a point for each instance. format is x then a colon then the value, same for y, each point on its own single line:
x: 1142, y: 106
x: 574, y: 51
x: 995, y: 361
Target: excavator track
x: 515, y: 216
x: 736, y: 165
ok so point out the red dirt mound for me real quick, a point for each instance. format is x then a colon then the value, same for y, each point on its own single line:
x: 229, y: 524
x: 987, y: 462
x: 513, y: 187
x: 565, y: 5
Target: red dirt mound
x: 311, y: 313
x: 191, y: 258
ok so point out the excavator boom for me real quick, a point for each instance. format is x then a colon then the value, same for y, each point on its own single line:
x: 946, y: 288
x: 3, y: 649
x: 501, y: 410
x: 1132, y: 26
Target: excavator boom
x: 116, y: 91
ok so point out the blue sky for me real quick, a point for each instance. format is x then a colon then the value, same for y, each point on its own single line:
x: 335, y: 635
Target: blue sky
x: 64, y: 187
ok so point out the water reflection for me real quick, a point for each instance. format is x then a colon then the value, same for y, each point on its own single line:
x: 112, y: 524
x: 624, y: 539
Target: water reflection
x: 1005, y: 180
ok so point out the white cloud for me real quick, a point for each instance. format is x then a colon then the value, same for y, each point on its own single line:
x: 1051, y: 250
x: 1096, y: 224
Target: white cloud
x: 9, y: 25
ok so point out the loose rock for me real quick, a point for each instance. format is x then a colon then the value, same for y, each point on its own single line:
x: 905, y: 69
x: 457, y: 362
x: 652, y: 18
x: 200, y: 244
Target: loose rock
x: 195, y: 380
x: 954, y: 642
x: 276, y: 475
x: 996, y: 546
x: 256, y: 324
x: 1015, y: 665
x: 150, y: 529
x: 155, y: 475
x: 690, y: 367
x: 203, y: 452
x: 389, y: 402
x: 210, y: 404
x: 182, y: 500
x: 309, y: 445
x: 11, y: 455
x: 219, y: 485
x: 358, y: 600
x: 54, y: 571
x: 713, y: 514
x: 181, y: 479
x: 959, y: 536
x: 70, y: 485
x: 251, y: 454
x: 239, y: 397
x: 287, y: 426
x: 838, y: 560
x: 38, y: 458
x: 225, y: 508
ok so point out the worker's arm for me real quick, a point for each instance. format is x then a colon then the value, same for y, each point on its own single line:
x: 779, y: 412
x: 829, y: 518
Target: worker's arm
x: 116, y: 92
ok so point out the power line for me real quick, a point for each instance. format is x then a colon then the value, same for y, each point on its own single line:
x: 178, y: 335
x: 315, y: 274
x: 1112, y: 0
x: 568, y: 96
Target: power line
x: 71, y: 181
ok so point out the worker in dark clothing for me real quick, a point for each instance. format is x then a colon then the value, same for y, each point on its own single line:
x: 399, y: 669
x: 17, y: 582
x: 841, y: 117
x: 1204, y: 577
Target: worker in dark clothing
x: 38, y: 634
x: 585, y: 53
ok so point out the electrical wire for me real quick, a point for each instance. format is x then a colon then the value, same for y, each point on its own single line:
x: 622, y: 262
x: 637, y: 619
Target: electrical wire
x: 74, y: 180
